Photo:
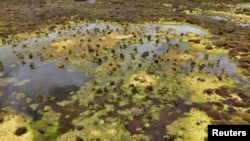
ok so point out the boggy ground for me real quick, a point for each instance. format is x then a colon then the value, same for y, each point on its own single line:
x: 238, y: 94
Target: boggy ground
x: 138, y: 99
x: 25, y: 16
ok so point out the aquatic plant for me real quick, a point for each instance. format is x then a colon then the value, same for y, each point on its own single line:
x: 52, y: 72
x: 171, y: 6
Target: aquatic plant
x: 145, y: 54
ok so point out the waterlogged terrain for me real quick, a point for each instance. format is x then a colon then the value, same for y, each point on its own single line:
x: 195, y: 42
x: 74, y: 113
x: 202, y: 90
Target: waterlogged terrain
x: 108, y: 80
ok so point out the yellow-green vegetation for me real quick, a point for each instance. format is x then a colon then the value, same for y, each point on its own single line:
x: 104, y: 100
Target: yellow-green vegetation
x: 118, y: 36
x: 167, y: 5
x: 196, y: 11
x: 203, y: 44
x: 10, y: 122
x: 198, y: 82
x: 19, y: 95
x: 83, y: 92
x: 23, y: 82
x: 96, y: 128
x: 192, y: 126
x: 102, y: 131
x: 34, y: 106
x: 139, y: 98
x: 64, y: 103
x: 155, y: 111
x: 47, y: 127
x: 127, y: 113
x: 139, y: 137
x: 80, y: 46
x: 89, y: 117
x: 5, y: 81
x: 91, y: 48
x: 180, y: 56
x: 141, y: 79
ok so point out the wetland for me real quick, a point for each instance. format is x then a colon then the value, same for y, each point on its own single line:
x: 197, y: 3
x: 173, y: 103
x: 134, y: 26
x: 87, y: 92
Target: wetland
x: 113, y: 70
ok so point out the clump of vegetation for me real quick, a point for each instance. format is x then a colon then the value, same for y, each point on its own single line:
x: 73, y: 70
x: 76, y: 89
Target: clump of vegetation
x: 192, y: 126
x: 47, y: 128
x: 96, y: 128
x: 197, y: 87
x: 204, y: 44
